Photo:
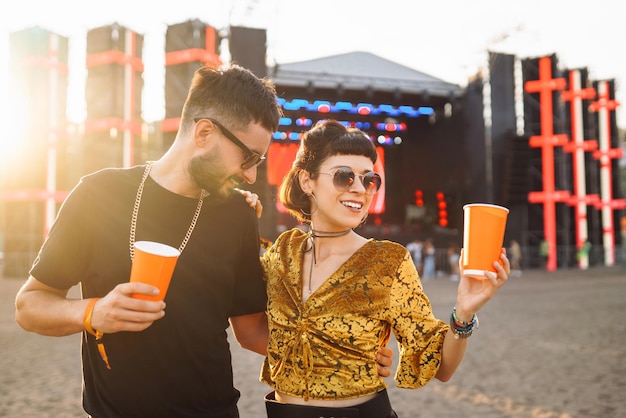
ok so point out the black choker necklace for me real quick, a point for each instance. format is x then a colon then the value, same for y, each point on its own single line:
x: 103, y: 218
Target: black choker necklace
x: 311, y: 239
x: 328, y: 234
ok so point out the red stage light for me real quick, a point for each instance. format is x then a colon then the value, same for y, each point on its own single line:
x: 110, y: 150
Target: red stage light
x: 419, y: 198
x: 364, y: 110
x: 443, y: 212
x: 323, y: 108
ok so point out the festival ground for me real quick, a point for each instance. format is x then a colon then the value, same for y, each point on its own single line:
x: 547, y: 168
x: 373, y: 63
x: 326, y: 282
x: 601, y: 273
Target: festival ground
x: 549, y: 345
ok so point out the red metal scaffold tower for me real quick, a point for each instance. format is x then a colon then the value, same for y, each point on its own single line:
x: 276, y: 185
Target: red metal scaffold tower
x: 130, y: 59
x: 207, y: 55
x: 54, y: 130
x: 578, y: 146
x: 547, y: 140
x: 607, y: 204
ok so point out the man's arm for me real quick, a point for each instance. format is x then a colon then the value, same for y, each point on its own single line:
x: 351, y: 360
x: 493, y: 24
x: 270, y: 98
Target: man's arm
x: 46, y: 310
x: 251, y: 331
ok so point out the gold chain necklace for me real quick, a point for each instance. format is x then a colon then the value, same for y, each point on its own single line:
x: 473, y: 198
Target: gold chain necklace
x: 133, y: 219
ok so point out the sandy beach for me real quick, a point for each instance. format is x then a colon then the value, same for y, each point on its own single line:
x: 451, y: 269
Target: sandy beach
x: 550, y: 345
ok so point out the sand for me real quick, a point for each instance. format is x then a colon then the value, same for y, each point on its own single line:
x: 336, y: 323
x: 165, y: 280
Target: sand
x: 549, y: 345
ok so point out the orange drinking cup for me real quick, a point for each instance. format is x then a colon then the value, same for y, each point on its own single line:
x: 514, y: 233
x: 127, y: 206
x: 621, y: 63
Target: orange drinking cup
x: 483, y: 236
x: 153, y: 264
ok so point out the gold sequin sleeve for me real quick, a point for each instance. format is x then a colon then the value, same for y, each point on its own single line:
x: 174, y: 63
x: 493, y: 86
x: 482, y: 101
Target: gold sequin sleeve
x: 419, y: 334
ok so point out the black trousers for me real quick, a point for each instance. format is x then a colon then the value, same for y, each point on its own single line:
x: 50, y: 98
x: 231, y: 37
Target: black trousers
x: 377, y: 407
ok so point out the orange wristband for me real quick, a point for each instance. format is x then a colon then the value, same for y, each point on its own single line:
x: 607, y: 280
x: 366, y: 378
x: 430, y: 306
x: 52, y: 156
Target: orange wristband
x: 95, y: 333
x: 87, y: 316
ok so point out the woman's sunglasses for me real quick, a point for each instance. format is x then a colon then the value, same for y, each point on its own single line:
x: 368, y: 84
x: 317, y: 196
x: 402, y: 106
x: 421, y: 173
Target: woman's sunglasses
x: 343, y: 179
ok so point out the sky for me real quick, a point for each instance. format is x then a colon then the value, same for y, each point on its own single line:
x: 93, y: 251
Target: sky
x: 448, y: 39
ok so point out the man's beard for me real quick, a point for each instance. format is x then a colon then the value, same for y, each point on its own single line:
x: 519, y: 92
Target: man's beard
x: 209, y: 174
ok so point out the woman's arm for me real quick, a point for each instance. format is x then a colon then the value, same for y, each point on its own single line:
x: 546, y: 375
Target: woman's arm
x: 472, y: 295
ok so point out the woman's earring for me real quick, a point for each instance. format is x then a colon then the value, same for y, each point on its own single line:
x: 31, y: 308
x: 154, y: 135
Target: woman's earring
x: 308, y: 215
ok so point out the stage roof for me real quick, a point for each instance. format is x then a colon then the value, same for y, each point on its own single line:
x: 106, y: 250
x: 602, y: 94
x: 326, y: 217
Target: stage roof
x: 360, y: 71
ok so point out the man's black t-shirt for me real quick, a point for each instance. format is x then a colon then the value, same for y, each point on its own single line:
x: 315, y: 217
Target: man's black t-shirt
x: 180, y: 366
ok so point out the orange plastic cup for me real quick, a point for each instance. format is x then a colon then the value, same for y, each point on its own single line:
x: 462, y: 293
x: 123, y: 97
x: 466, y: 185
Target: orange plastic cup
x: 483, y: 236
x: 153, y: 264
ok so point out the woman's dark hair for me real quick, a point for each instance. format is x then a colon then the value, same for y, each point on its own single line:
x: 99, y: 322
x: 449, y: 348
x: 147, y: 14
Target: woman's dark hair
x: 328, y: 138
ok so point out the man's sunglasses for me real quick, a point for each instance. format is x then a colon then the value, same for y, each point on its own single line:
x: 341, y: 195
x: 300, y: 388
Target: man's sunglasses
x: 343, y: 179
x: 252, y: 158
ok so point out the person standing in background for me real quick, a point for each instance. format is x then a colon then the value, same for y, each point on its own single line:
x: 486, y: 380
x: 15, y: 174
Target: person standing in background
x: 429, y: 260
x: 415, y: 247
x: 453, y: 260
x: 544, y: 251
x: 515, y: 256
x: 583, y: 252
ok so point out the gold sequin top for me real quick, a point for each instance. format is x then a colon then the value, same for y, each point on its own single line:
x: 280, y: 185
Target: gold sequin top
x: 325, y: 348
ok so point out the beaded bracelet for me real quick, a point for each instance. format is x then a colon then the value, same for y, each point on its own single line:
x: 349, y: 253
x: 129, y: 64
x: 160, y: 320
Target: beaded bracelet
x: 465, y: 331
x: 464, y: 323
